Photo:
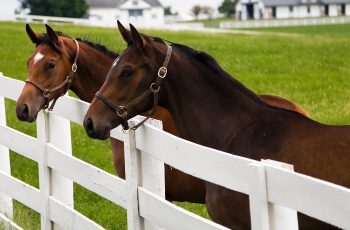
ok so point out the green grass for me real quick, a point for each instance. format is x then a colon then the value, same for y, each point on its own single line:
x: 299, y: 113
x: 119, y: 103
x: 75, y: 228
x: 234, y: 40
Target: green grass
x: 310, y: 67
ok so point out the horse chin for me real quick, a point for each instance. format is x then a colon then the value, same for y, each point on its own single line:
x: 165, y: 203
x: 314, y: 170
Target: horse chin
x: 99, y: 135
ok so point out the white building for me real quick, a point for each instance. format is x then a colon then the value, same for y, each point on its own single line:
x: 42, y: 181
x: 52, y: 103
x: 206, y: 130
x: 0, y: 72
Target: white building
x: 266, y: 9
x: 8, y: 8
x: 144, y: 13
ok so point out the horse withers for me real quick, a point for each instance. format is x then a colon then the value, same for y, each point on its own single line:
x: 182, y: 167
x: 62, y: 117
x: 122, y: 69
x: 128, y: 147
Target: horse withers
x: 214, y: 100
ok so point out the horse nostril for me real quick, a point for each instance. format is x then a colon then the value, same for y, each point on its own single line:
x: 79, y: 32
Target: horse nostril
x: 89, y: 125
x: 23, y: 113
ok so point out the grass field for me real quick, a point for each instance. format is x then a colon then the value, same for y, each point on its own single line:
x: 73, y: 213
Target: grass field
x: 310, y: 67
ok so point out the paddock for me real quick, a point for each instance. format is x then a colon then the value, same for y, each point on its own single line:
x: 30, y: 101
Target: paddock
x: 275, y: 191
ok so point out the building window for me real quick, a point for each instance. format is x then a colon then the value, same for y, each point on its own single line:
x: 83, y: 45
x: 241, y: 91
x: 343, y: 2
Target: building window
x: 341, y: 9
x: 308, y: 9
x: 154, y: 16
x: 135, y: 13
x: 135, y: 3
x: 291, y: 8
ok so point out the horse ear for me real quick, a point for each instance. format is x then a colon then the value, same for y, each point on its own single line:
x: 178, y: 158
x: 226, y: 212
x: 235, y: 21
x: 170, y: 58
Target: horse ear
x: 136, y: 37
x: 34, y: 36
x: 52, y: 35
x: 124, y: 32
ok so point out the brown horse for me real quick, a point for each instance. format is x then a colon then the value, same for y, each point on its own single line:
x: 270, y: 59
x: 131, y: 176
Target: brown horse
x: 202, y: 99
x: 48, y: 67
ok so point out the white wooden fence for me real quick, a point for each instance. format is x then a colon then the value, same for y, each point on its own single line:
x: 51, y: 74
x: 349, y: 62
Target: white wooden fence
x: 50, y: 19
x: 275, y: 192
x: 283, y: 22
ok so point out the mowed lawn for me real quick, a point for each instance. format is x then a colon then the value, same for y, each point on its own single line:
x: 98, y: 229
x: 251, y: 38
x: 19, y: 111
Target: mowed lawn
x: 311, y: 66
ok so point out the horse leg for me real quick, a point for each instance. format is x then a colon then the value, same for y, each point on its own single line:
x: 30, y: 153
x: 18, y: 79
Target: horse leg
x: 226, y: 207
x: 118, y: 157
x: 231, y: 209
x: 182, y: 187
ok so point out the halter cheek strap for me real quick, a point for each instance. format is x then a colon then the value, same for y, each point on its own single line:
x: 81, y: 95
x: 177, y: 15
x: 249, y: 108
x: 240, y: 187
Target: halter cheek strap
x: 66, y: 83
x: 122, y: 111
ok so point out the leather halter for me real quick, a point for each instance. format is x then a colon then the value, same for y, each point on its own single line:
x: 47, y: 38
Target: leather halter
x: 66, y: 83
x: 122, y: 111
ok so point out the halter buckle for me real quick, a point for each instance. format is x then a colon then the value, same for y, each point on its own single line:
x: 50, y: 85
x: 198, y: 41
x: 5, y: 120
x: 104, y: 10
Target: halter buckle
x: 74, y: 67
x: 122, y: 111
x: 46, y: 93
x: 69, y: 79
x: 162, y: 72
x: 153, y: 90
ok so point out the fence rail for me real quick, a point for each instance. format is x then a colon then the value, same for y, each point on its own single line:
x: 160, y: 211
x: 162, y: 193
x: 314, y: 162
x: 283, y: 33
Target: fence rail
x: 50, y: 19
x: 283, y: 22
x: 275, y: 193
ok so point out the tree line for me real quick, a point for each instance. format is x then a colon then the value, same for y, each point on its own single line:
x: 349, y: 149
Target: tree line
x: 79, y: 8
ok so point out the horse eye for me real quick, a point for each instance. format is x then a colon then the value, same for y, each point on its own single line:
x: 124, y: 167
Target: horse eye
x: 51, y: 64
x: 128, y: 73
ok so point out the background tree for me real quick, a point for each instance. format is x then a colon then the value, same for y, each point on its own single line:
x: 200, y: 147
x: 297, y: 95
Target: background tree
x: 59, y: 8
x: 167, y: 10
x: 196, y: 10
x: 207, y: 10
x: 228, y: 7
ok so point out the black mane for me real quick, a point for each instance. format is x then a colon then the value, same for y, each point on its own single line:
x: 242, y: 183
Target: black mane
x: 200, y: 56
x: 208, y: 61
x: 99, y: 47
x: 45, y: 39
x: 213, y: 65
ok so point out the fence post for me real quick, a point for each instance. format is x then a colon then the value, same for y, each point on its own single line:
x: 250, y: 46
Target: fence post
x: 5, y: 166
x: 281, y: 217
x: 59, y: 134
x: 259, y: 210
x: 44, y: 171
x: 153, y: 174
x: 133, y: 180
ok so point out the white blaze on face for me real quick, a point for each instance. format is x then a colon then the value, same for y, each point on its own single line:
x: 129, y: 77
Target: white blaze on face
x: 38, y: 56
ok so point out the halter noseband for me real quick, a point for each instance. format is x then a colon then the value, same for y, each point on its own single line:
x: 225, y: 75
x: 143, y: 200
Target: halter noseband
x: 122, y: 111
x: 67, y: 82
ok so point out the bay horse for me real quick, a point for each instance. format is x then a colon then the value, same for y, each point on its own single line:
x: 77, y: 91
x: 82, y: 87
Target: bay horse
x: 203, y: 100
x: 48, y: 67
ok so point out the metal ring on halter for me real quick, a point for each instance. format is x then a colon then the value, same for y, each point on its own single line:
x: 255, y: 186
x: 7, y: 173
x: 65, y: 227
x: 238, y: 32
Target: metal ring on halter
x: 154, y: 90
x: 69, y: 79
x: 46, y: 93
x: 122, y: 111
x: 125, y: 131
x: 162, y: 72
x: 74, y: 67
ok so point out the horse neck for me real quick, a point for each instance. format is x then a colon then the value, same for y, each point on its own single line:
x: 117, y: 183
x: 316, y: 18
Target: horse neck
x: 93, y: 66
x: 206, y: 103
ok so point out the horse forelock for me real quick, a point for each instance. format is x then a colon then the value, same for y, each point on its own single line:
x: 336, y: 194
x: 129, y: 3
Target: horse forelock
x: 45, y: 39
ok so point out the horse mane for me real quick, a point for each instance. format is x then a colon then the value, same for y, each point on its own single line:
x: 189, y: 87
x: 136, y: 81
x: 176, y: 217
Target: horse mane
x: 45, y: 39
x: 99, y: 47
x: 209, y: 62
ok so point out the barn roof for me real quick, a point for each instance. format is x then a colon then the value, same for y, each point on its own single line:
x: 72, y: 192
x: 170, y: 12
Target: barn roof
x: 102, y: 3
x: 301, y: 2
x: 279, y: 2
x: 335, y: 1
x: 116, y: 3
